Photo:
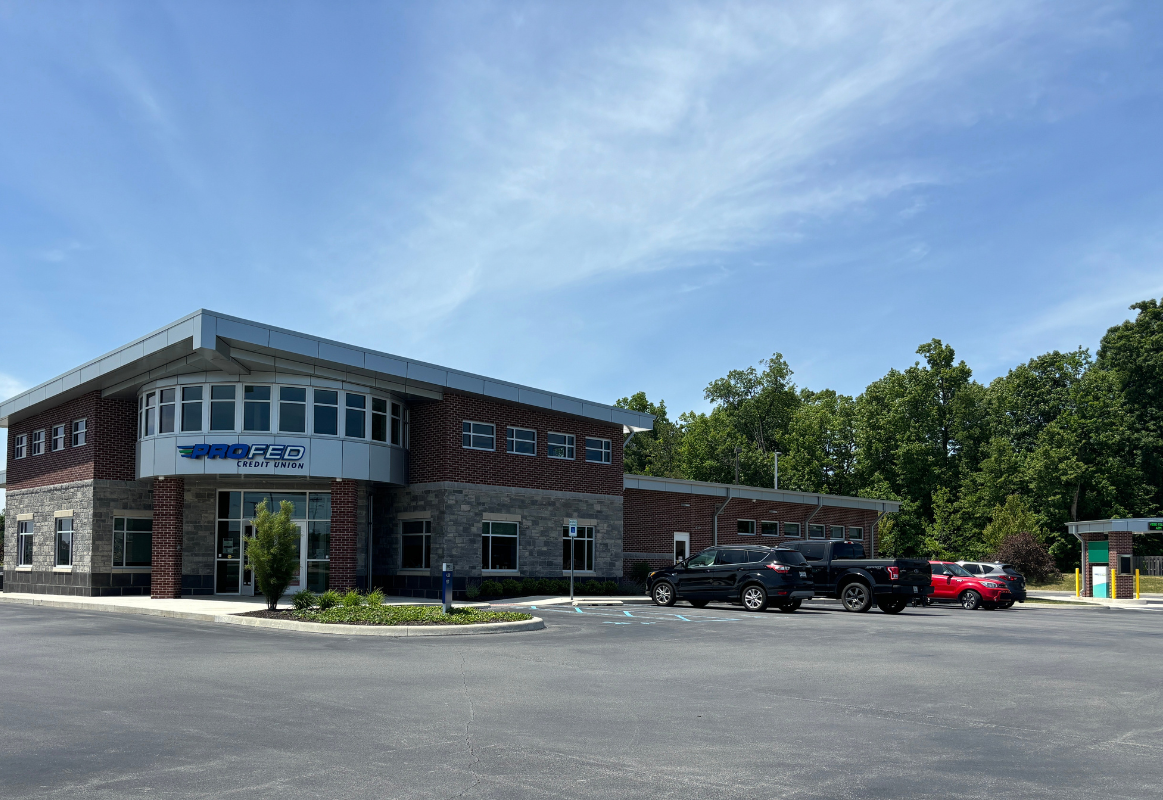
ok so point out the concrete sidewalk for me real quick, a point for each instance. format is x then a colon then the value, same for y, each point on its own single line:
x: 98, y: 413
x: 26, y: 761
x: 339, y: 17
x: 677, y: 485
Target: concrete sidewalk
x: 1145, y: 602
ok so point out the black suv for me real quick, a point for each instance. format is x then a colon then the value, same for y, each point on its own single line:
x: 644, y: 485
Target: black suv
x: 754, y: 576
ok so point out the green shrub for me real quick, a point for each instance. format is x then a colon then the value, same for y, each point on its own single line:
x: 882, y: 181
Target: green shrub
x: 560, y: 586
x: 352, y: 599
x: 491, y: 589
x: 472, y: 591
x: 609, y: 587
x: 510, y: 587
x: 303, y: 600
x: 273, y: 551
x: 538, y: 586
x: 329, y: 599
x: 588, y: 587
x: 375, y: 597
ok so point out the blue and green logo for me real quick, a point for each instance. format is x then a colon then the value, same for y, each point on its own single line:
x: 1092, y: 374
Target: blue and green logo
x: 244, y: 452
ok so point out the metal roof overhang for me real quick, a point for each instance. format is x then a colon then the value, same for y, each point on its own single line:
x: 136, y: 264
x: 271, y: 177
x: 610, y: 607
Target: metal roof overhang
x: 207, y: 341
x: 1135, y: 525
x: 734, y: 491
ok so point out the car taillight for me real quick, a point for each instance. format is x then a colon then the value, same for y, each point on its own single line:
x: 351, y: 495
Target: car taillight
x: 779, y: 567
x: 894, y: 573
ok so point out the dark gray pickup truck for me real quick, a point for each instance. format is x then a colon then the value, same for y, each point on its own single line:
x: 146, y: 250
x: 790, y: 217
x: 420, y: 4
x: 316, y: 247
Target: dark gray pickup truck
x: 840, y: 570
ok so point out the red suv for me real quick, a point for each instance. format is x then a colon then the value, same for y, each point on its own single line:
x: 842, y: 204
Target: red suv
x: 952, y: 583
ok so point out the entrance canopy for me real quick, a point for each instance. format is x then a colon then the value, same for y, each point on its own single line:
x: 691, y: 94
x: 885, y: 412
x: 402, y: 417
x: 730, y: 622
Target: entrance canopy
x: 1107, y: 554
x: 1137, y: 525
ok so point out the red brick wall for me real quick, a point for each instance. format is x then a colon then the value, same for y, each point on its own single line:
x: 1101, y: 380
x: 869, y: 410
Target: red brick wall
x: 169, y: 497
x: 108, y: 453
x: 652, y: 518
x: 1120, y: 544
x: 436, y: 453
x: 344, y: 499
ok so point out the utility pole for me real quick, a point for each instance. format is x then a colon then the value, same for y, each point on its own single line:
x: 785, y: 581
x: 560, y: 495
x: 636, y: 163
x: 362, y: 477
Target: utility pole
x: 776, y: 484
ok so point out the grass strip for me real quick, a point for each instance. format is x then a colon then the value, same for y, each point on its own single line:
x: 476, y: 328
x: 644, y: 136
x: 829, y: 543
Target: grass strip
x: 1046, y: 602
x: 407, y: 615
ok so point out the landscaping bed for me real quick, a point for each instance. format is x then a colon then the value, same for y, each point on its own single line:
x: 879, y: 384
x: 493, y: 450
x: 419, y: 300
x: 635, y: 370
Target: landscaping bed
x: 393, y: 615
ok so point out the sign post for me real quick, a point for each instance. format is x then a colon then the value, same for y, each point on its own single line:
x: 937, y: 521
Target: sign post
x: 572, y: 554
x: 446, y: 587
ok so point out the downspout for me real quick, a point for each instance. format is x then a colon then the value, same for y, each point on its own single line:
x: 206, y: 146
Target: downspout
x: 715, y: 519
x: 872, y: 535
x: 819, y: 505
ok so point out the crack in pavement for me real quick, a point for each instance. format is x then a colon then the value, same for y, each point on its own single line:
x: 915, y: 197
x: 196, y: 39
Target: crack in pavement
x: 468, y: 730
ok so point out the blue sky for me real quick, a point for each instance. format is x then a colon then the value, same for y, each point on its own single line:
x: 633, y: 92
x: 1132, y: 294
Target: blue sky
x: 595, y: 198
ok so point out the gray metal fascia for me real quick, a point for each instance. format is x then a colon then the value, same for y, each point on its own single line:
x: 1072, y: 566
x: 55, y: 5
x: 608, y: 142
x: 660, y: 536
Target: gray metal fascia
x: 677, y: 485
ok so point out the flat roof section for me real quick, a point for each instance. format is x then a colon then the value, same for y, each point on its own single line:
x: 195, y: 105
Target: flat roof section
x: 207, y: 341
x: 1134, y: 525
x: 725, y: 490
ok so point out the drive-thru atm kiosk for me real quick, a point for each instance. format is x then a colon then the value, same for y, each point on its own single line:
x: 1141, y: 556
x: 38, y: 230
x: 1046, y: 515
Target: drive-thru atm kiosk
x: 1108, y: 564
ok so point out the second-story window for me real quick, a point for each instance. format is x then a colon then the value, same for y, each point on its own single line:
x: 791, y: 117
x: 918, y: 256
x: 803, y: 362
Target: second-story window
x: 522, y: 441
x: 256, y: 408
x: 38, y: 443
x: 222, y: 408
x: 478, y: 436
x: 598, y: 450
x: 147, y: 413
x: 58, y: 437
x: 191, y: 409
x: 20, y: 446
x: 561, y: 445
x: 79, y: 430
x: 355, y: 420
x: 326, y: 412
x: 167, y: 410
x: 397, y: 423
x: 292, y: 409
x: 379, y: 419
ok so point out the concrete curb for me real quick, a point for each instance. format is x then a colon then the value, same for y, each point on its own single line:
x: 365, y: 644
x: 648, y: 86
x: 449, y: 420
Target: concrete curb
x: 534, y: 624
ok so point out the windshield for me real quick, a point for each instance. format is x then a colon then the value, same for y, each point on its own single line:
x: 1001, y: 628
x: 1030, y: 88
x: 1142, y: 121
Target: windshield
x: 958, y: 570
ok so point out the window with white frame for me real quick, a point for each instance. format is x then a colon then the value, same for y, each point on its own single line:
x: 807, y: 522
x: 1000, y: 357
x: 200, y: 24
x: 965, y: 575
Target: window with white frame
x: 147, y: 414
x: 837, y: 532
x: 132, y: 542
x: 292, y: 409
x: 769, y: 528
x: 815, y: 531
x: 222, y: 407
x: 522, y: 441
x: 499, y: 546
x: 577, y: 551
x: 598, y: 450
x: 167, y: 412
x: 791, y: 530
x: 478, y: 435
x: 79, y: 431
x: 58, y: 437
x: 379, y: 419
x: 24, y: 543
x: 20, y: 446
x: 64, y: 543
x: 355, y: 419
x: 855, y: 533
x: 326, y: 412
x: 397, y: 424
x: 745, y: 527
x: 38, y: 443
x: 256, y: 408
x: 416, y: 544
x: 192, y: 409
x: 561, y: 445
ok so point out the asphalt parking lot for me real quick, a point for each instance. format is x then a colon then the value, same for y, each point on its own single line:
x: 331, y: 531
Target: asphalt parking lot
x: 678, y: 702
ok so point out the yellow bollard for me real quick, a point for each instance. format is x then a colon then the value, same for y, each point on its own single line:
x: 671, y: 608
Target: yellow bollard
x: 1136, y: 584
x: 1077, y: 582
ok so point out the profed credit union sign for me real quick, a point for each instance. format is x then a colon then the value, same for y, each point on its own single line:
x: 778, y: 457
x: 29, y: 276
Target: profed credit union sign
x: 249, y: 456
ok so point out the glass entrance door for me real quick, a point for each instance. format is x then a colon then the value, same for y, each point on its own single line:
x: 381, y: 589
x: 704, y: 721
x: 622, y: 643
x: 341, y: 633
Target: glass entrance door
x: 228, y: 558
x: 312, y: 521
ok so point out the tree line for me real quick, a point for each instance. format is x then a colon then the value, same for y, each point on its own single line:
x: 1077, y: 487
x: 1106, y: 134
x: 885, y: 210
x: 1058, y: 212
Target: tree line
x: 1063, y: 437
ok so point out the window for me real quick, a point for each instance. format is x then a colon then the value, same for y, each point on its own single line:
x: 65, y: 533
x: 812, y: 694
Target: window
x: 166, y: 415
x: 147, y: 414
x: 222, y: 408
x: 815, y: 531
x: 256, y: 408
x: 416, y: 544
x: 292, y: 409
x: 791, y: 530
x: 521, y: 441
x: 355, y: 421
x: 974, y: 568
x: 849, y: 550
x: 79, y: 431
x: 855, y: 533
x: 326, y: 412
x: 132, y: 542
x: 703, y: 559
x: 477, y: 436
x: 682, y: 546
x: 499, y: 546
x: 560, y: 445
x: 58, y: 437
x: 379, y: 419
x: 397, y: 424
x: 939, y: 569
x: 769, y: 528
x: 24, y: 543
x: 813, y: 552
x: 837, y: 532
x: 191, y: 409
x: 64, y: 548
x: 582, y: 549
x: 598, y: 451
x: 312, y: 516
x: 38, y: 443
x: 728, y: 557
x: 745, y: 527
x: 20, y: 446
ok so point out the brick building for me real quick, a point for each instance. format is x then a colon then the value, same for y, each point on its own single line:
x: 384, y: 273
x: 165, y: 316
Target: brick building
x: 139, y: 472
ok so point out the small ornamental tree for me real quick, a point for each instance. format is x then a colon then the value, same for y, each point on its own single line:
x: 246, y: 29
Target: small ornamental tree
x: 273, y: 551
x: 1028, y: 556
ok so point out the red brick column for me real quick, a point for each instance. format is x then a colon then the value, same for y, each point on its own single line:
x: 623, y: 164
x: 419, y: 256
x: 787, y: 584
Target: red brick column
x: 344, y: 496
x: 169, y: 498
x: 1120, y: 543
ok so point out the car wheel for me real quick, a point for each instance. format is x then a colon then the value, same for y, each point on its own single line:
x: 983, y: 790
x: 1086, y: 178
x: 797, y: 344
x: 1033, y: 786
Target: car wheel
x: 788, y: 608
x: 754, y: 598
x: 970, y: 600
x: 893, y: 606
x: 699, y: 603
x: 856, y: 597
x: 663, y: 594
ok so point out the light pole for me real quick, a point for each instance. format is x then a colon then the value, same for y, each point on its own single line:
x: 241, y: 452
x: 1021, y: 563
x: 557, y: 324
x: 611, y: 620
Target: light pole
x: 738, y: 450
x: 776, y: 484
